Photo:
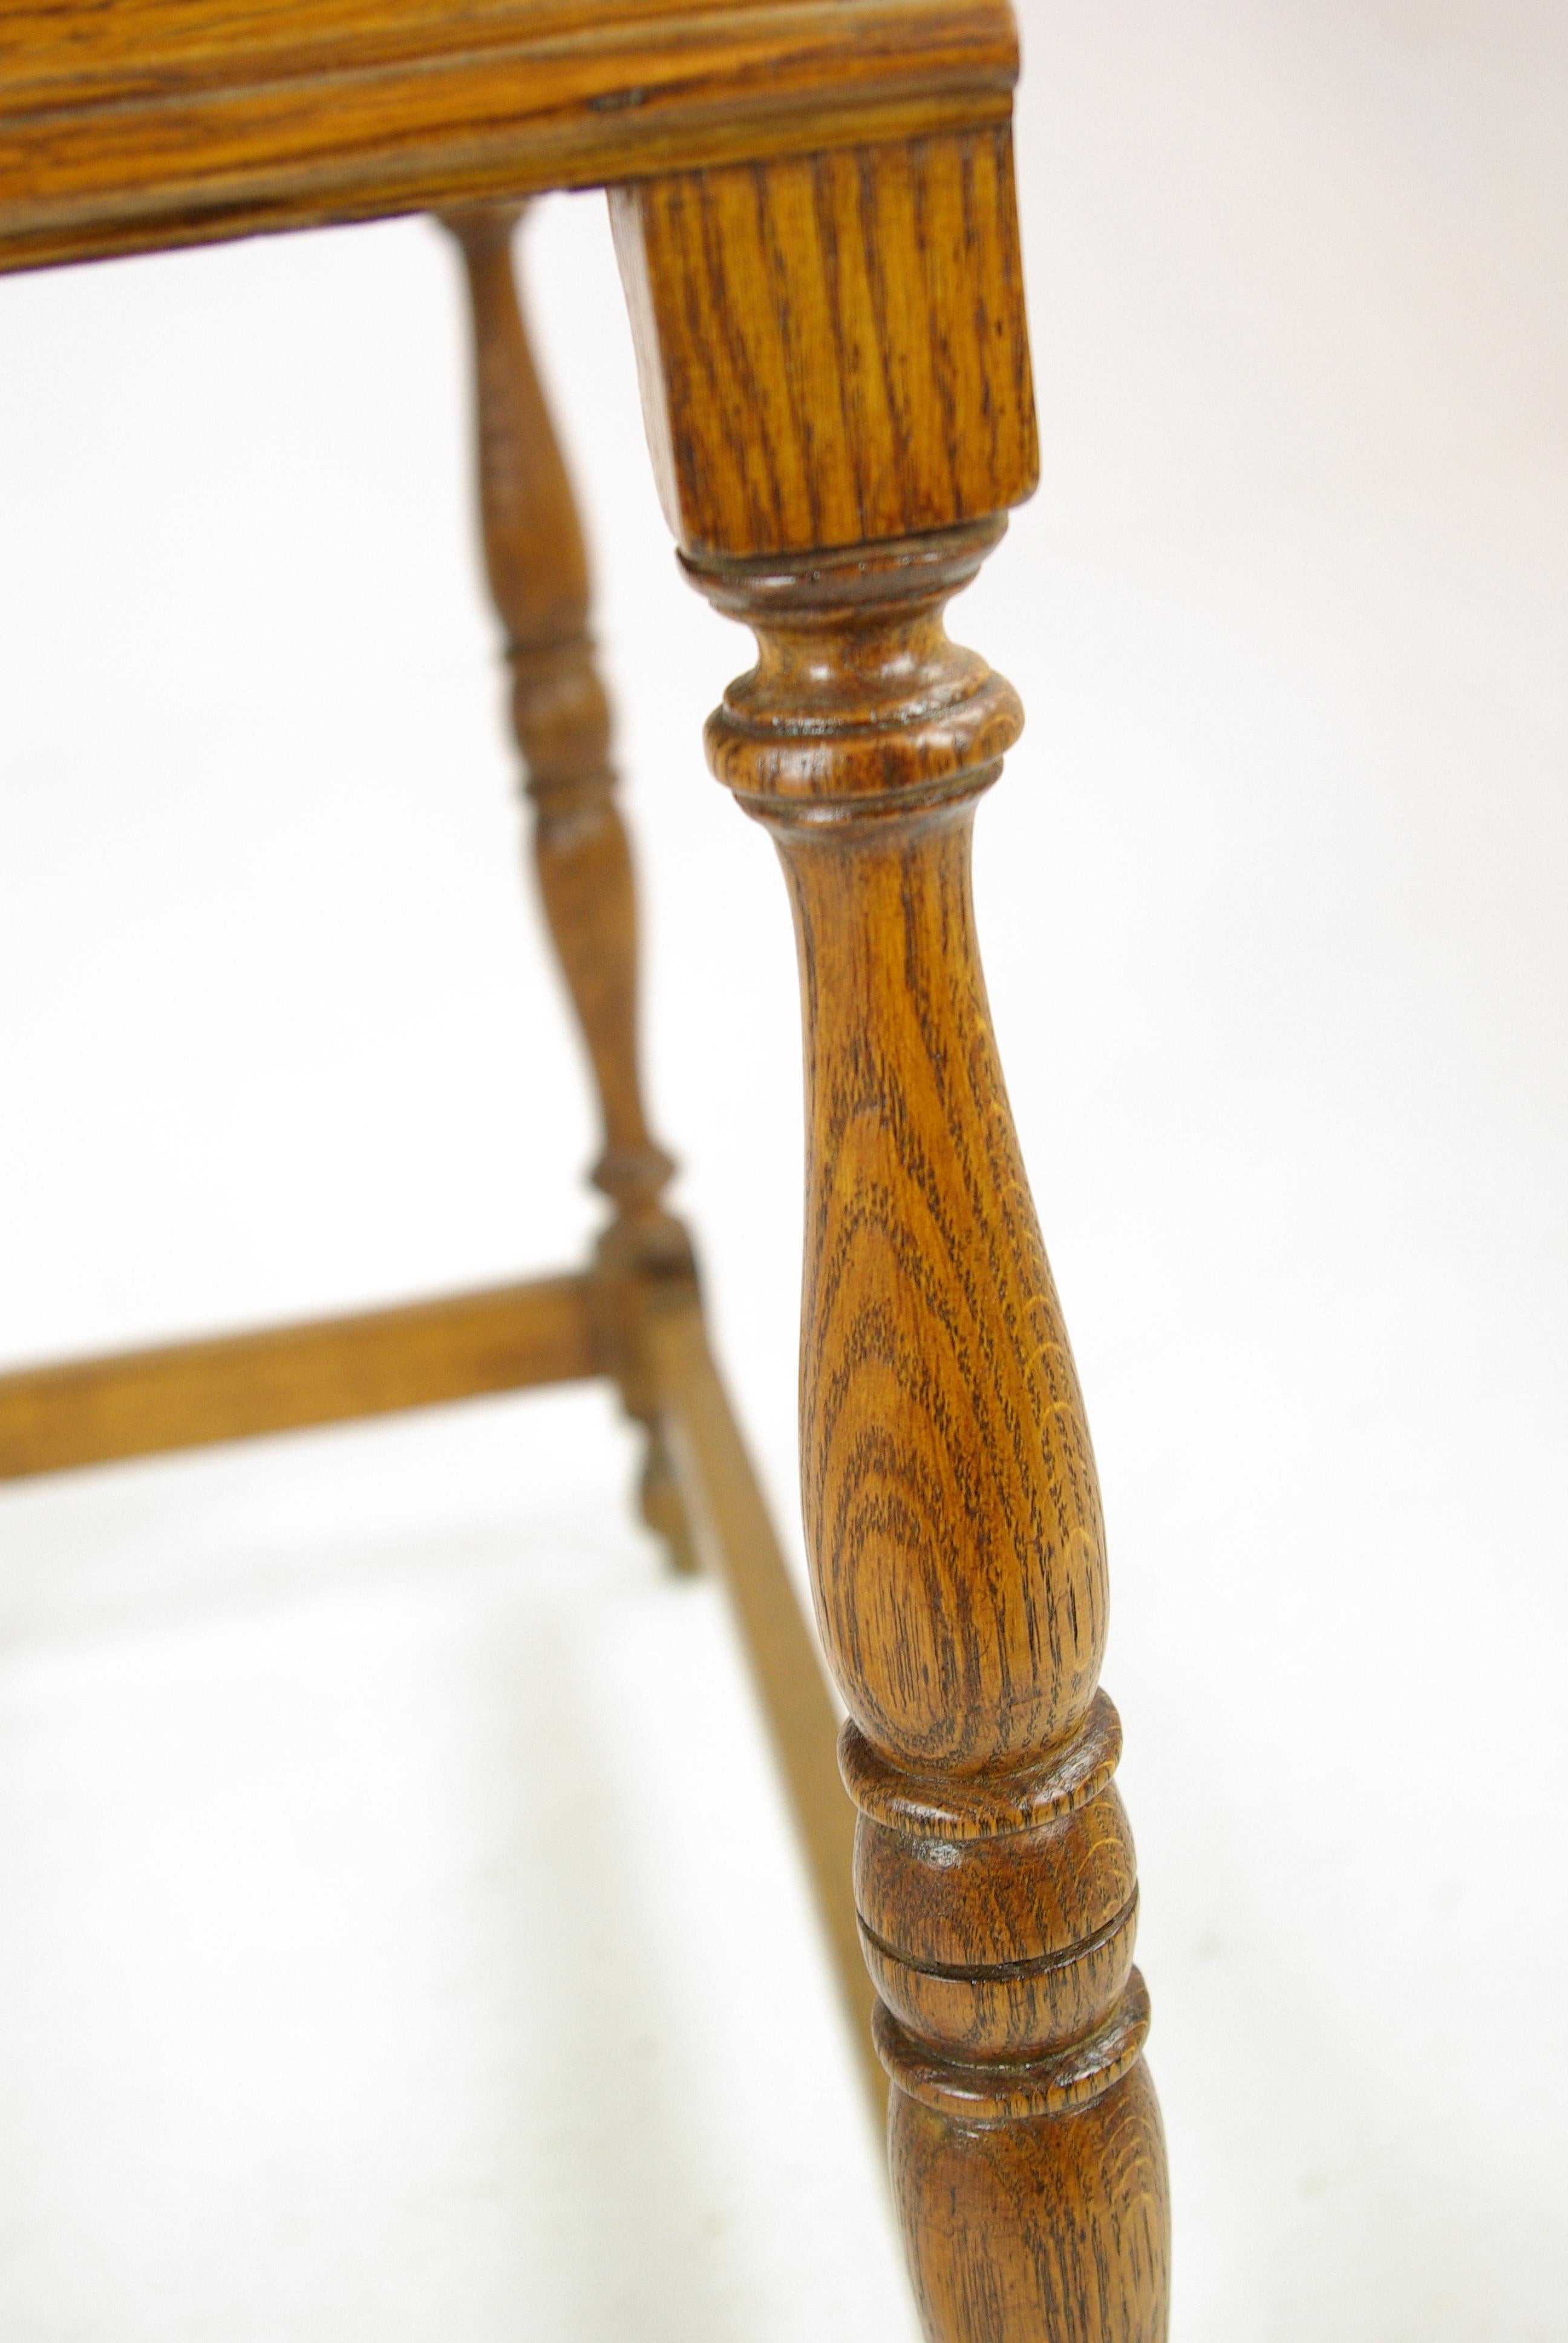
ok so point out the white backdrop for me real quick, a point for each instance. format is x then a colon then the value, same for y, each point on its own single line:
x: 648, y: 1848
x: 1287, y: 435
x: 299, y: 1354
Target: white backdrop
x: 381, y: 1953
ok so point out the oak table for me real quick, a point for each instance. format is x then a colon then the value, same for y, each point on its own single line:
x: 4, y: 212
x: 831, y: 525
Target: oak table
x: 814, y: 213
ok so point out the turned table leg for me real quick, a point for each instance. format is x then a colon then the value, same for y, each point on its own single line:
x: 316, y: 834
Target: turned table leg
x: 538, y: 568
x: 835, y: 373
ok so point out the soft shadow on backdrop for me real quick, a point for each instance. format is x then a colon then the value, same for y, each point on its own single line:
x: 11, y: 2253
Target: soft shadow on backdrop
x: 383, y: 1952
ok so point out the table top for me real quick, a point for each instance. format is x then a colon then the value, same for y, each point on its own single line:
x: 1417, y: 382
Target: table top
x: 126, y: 125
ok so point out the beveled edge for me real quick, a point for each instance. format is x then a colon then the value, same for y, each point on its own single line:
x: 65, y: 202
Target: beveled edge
x: 984, y: 1805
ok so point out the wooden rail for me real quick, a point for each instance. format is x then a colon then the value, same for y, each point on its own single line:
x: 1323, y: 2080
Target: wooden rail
x: 140, y: 1403
x: 736, y: 1539
x: 329, y: 1370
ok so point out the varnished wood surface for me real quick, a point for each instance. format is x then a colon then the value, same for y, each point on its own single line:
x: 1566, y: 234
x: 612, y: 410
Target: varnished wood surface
x: 150, y: 122
x: 815, y: 218
x: 998, y: 2257
x: 949, y: 1488
x: 189, y: 1394
x: 951, y: 1506
x: 832, y: 349
x: 727, y: 1508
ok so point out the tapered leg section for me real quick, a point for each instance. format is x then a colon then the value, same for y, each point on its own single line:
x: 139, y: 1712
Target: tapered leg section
x: 836, y: 375
x: 951, y: 1508
x: 538, y: 568
x: 1058, y: 2231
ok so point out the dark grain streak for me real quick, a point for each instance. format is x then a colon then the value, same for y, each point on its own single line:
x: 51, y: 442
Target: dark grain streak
x: 845, y: 340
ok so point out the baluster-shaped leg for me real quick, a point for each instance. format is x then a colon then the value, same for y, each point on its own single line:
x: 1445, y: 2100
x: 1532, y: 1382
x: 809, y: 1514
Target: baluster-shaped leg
x: 837, y: 376
x: 538, y: 575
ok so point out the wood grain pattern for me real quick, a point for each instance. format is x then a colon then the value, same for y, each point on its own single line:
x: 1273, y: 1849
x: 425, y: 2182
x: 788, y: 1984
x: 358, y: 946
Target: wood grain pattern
x: 142, y: 1403
x: 152, y: 122
x: 815, y: 215
x: 832, y: 349
x: 950, y: 1495
x: 1054, y: 2231
x: 952, y: 1512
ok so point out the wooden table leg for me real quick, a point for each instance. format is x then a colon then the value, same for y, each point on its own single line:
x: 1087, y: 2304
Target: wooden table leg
x: 835, y: 373
x: 538, y: 574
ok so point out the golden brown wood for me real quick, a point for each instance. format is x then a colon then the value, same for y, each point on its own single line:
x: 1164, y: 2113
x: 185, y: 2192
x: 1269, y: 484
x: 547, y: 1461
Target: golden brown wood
x: 150, y: 122
x: 836, y: 380
x: 192, y: 1394
x: 832, y: 349
x: 730, y: 1515
x: 998, y: 2252
x: 538, y: 568
x: 815, y: 216
x: 952, y: 1512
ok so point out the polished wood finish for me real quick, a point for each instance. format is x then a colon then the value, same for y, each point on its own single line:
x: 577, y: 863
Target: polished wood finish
x: 952, y: 1512
x: 815, y: 216
x: 536, y: 565
x: 950, y: 1496
x: 832, y: 349
x: 155, y: 122
x: 190, y: 1394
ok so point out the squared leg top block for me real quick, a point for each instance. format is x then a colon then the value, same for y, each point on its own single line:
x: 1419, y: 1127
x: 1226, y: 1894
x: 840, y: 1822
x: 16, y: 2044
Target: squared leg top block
x: 832, y: 349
